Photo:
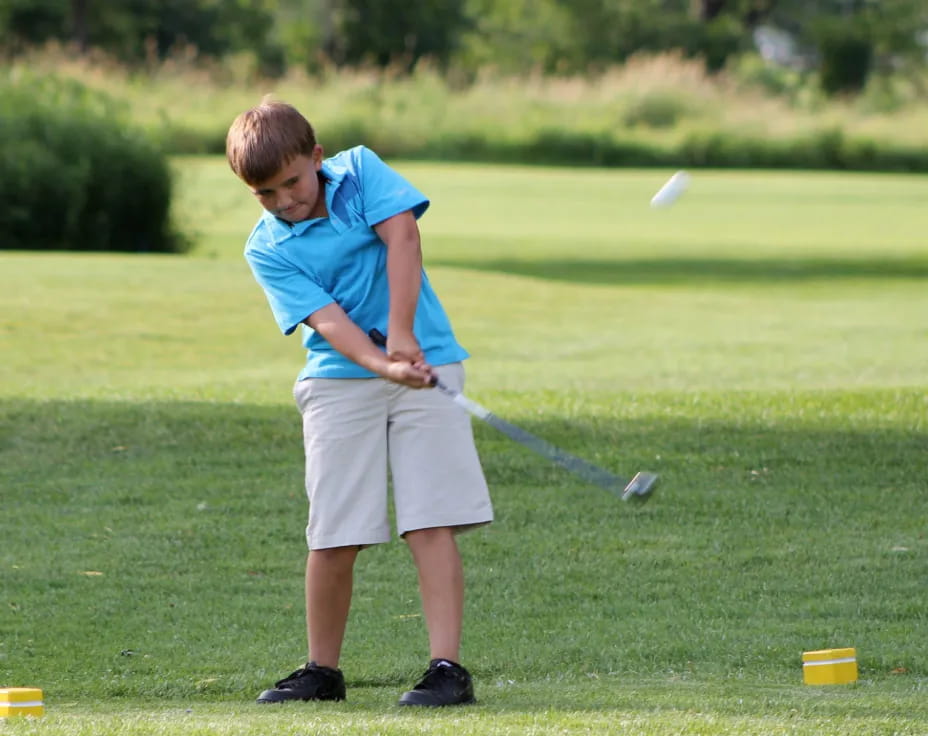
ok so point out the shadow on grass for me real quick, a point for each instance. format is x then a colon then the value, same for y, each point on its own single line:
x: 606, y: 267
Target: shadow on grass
x: 697, y: 270
x: 117, y: 447
x: 59, y: 434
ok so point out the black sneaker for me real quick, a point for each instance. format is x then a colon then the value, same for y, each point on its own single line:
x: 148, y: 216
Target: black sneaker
x: 311, y: 682
x: 444, y: 683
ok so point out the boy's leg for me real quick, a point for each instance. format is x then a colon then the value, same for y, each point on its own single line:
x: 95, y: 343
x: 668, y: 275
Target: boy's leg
x: 440, y: 490
x: 344, y: 432
x: 329, y: 578
x: 329, y: 575
x: 441, y: 583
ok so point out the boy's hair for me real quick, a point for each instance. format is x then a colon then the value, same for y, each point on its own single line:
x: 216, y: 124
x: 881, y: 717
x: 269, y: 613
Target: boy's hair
x: 264, y: 139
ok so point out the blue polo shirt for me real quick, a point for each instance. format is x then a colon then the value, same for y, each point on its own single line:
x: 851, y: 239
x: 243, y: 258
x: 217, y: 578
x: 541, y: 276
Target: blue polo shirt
x: 307, y: 265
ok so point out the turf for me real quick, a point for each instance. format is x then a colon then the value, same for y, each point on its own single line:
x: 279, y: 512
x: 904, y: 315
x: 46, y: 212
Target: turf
x: 761, y: 345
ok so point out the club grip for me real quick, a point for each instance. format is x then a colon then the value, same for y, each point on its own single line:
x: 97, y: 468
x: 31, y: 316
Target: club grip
x: 378, y: 338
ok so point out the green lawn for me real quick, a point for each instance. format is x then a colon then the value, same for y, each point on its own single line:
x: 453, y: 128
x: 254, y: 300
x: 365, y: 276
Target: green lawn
x: 761, y: 344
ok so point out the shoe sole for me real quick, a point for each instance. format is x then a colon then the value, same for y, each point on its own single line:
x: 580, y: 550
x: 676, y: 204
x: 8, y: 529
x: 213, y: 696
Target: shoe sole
x: 277, y: 701
x: 406, y: 704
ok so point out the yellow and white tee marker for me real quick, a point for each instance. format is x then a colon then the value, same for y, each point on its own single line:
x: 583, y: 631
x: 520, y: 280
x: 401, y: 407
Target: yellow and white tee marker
x: 829, y: 666
x: 21, y: 701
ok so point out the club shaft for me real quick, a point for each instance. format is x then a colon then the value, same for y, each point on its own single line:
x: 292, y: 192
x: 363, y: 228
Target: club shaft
x: 586, y: 470
x: 640, y: 486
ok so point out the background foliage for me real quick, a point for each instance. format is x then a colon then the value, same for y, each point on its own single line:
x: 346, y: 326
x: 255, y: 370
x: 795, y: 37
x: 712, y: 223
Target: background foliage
x: 683, y: 83
x: 74, y: 176
x: 856, y: 36
x: 663, y: 110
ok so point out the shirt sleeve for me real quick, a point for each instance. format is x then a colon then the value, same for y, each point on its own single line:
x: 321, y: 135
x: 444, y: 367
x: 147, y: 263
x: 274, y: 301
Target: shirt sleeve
x: 384, y: 192
x: 291, y: 294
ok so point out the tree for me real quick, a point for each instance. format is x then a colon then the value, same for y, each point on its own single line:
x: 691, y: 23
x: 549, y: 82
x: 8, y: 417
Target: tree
x: 27, y: 22
x: 388, y: 31
x: 849, y: 37
x: 612, y: 30
x: 520, y: 35
x: 79, y: 24
x: 853, y: 37
x: 128, y: 28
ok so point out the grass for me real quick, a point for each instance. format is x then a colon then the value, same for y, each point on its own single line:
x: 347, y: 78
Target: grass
x: 761, y: 345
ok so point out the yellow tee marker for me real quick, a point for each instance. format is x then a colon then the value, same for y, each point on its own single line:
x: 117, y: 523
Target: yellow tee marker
x: 829, y: 666
x: 21, y: 701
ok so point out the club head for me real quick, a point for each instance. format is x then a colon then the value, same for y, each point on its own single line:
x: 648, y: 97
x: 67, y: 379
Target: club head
x: 640, y: 487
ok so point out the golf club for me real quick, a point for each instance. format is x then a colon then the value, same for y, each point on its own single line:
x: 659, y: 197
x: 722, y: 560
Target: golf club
x: 639, y: 488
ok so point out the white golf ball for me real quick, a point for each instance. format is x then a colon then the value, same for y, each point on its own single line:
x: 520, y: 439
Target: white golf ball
x: 671, y: 191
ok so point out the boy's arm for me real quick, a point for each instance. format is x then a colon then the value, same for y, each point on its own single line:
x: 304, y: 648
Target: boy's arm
x: 400, y: 233
x: 347, y: 338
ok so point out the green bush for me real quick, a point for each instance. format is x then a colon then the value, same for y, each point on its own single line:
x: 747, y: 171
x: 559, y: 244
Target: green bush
x: 658, y: 109
x: 752, y: 71
x: 74, y: 176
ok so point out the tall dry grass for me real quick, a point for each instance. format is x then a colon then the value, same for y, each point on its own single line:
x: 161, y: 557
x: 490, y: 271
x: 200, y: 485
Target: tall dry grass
x: 659, y: 100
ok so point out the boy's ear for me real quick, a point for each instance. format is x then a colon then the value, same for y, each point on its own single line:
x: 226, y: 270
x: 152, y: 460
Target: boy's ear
x: 318, y: 155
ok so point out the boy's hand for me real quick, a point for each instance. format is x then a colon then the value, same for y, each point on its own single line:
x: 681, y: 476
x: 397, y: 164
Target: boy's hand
x: 403, y: 346
x: 413, y: 374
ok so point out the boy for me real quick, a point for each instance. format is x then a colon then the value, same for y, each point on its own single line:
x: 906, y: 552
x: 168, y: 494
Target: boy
x: 337, y: 251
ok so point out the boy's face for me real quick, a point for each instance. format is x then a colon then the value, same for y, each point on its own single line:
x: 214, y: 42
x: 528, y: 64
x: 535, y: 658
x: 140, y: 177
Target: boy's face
x: 293, y: 193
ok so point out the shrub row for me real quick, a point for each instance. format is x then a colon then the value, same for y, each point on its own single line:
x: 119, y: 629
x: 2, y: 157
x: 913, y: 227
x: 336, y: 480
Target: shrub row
x: 74, y: 176
x: 829, y: 148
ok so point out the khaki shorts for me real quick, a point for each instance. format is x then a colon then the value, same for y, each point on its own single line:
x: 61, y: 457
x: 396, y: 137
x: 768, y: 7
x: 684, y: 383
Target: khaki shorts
x: 352, y: 429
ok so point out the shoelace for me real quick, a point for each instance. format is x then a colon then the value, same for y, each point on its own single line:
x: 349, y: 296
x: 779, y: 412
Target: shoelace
x: 304, y: 670
x: 296, y: 675
x: 433, y: 674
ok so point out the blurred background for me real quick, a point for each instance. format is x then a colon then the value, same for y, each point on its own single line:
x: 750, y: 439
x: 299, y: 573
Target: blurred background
x: 100, y: 89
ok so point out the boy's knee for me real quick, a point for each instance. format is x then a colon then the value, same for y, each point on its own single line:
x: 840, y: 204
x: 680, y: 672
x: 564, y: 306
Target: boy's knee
x: 429, y: 536
x: 334, y: 556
